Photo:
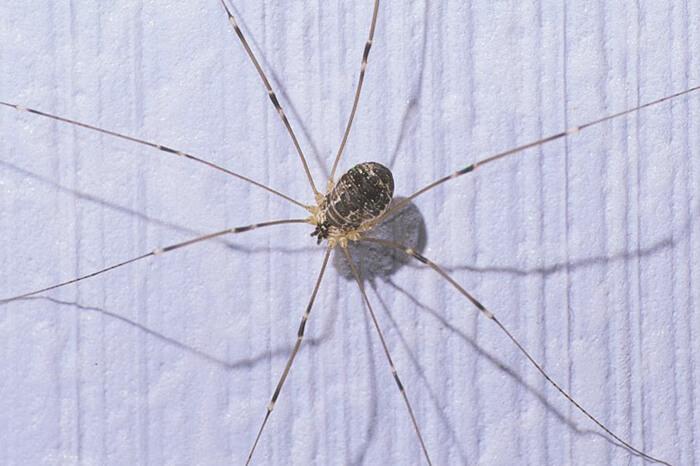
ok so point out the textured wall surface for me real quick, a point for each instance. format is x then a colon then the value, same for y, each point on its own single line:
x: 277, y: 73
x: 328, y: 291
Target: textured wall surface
x: 588, y: 248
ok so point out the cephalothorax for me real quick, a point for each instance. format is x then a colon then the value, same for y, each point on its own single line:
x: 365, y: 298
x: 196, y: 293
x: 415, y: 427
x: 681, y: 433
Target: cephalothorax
x: 353, y: 205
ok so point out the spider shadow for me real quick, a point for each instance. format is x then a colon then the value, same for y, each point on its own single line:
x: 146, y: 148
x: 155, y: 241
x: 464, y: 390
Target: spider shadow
x: 282, y: 93
x: 408, y: 120
x: 407, y: 227
x: 440, y: 410
x: 668, y: 242
x: 171, y: 226
x: 650, y: 250
x: 202, y: 355
x: 497, y: 364
x: 372, y: 427
x: 409, y: 217
x: 373, y: 408
x: 382, y: 265
x: 494, y: 361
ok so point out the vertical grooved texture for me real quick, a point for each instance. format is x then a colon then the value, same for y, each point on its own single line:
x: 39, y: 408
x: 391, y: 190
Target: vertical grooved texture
x: 586, y: 249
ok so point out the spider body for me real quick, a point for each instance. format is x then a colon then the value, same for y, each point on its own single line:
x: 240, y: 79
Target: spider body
x: 361, y: 196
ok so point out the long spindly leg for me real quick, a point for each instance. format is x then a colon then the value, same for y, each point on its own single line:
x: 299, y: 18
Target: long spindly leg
x: 156, y: 252
x: 160, y: 147
x: 394, y: 372
x: 271, y: 94
x: 519, y: 149
x: 358, y: 89
x: 490, y: 315
x: 292, y: 356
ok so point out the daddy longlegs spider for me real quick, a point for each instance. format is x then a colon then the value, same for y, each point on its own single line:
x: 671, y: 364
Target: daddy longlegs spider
x: 203, y: 331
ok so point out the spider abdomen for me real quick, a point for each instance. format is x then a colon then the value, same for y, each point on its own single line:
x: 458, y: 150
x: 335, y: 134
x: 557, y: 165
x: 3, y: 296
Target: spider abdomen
x: 362, y: 194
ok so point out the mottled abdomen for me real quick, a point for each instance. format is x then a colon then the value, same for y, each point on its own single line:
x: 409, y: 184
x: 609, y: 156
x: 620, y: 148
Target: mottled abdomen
x: 362, y: 194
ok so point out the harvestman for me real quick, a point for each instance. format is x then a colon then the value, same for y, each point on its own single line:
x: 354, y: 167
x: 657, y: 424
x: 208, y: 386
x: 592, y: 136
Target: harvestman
x: 345, y: 212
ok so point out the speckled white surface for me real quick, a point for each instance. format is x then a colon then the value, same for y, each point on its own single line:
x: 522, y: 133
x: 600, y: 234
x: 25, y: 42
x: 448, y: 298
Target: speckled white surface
x: 587, y: 249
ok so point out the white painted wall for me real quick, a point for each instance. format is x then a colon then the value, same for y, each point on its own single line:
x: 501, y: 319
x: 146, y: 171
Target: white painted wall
x: 586, y: 249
